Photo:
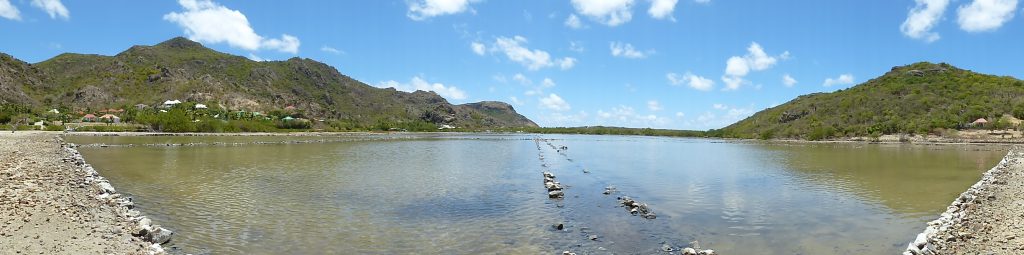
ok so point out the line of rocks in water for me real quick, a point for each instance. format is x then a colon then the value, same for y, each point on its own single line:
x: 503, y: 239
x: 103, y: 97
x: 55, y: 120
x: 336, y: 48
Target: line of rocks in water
x: 142, y: 226
x: 954, y: 227
x: 554, y: 187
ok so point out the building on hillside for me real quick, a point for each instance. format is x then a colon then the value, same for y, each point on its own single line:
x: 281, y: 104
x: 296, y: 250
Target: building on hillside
x: 289, y: 108
x: 141, y: 106
x: 200, y: 106
x: 54, y: 111
x: 89, y: 118
x: 110, y: 118
x: 170, y: 103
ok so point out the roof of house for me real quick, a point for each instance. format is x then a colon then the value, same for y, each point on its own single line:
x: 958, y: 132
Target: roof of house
x: 980, y: 120
x: 109, y: 116
x: 89, y: 116
x: 170, y: 102
x: 200, y: 106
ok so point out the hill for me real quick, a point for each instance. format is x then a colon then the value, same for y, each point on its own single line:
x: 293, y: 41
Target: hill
x: 918, y: 98
x: 186, y: 70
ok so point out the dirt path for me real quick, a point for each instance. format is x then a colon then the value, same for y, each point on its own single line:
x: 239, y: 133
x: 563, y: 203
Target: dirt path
x: 51, y: 202
x: 986, y: 219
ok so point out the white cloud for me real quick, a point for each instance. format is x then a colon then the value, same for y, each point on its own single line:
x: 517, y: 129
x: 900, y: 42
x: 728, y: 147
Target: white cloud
x: 207, y: 21
x: 8, y: 11
x: 522, y: 79
x: 576, y: 46
x: 694, y: 81
x: 662, y: 9
x: 723, y: 116
x: 788, y: 80
x: 566, y: 63
x: 609, y: 12
x: 719, y: 106
x: 573, y: 22
x: 515, y: 51
x: 843, y: 79
x: 985, y: 15
x: 515, y: 101
x: 331, y: 50
x: 653, y: 105
x: 478, y: 48
x: 426, y: 9
x: 554, y: 102
x: 680, y: 114
x: 253, y: 57
x: 626, y: 116
x: 626, y: 50
x: 737, y: 67
x: 564, y: 120
x: 547, y: 83
x: 417, y: 83
x: 52, y: 7
x: 923, y: 18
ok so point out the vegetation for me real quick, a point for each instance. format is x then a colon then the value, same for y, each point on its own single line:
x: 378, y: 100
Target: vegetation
x: 921, y: 98
x: 186, y: 70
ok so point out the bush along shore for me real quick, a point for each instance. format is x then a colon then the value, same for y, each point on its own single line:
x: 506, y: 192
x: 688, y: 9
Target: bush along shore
x: 53, y: 202
x: 988, y: 218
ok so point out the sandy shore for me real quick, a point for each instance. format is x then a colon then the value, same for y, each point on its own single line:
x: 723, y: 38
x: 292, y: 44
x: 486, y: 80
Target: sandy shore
x: 986, y: 219
x: 51, y: 202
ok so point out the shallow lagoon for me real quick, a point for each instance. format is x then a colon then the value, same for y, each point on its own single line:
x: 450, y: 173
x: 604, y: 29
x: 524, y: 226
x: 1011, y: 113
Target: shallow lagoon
x: 461, y: 194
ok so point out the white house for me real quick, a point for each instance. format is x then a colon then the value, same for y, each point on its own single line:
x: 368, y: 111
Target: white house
x: 171, y: 103
x: 200, y: 106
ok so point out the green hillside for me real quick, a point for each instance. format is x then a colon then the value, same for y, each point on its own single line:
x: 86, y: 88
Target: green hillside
x: 919, y: 98
x: 185, y: 70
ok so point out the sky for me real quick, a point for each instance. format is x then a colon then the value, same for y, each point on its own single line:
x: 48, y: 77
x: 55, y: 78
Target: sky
x: 678, y: 64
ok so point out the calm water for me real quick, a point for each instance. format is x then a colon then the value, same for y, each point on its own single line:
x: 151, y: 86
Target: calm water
x: 468, y: 194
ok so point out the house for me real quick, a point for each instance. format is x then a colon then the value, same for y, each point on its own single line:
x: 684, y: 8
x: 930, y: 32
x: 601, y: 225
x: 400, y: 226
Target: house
x: 287, y: 118
x: 289, y: 108
x: 54, y: 111
x: 141, y: 106
x: 110, y: 118
x: 170, y: 103
x: 89, y: 118
x: 200, y: 106
x: 979, y: 122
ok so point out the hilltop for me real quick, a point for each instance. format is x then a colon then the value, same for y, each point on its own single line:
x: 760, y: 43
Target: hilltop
x: 920, y: 98
x: 182, y: 69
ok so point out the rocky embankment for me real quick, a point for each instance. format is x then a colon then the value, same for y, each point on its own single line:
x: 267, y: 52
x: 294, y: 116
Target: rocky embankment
x: 52, y: 202
x: 986, y: 219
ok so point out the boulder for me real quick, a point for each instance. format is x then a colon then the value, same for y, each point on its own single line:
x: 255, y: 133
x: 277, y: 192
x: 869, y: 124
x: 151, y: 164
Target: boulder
x: 159, y: 235
x: 105, y: 187
x: 556, y: 194
x: 689, y: 251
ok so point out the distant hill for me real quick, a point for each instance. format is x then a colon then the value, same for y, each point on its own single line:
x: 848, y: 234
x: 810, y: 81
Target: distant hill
x: 918, y: 98
x: 186, y: 70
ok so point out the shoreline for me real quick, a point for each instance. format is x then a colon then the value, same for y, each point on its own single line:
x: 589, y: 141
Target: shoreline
x: 987, y: 218
x: 54, y: 202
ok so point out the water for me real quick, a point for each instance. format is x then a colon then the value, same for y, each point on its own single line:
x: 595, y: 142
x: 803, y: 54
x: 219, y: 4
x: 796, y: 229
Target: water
x: 468, y: 194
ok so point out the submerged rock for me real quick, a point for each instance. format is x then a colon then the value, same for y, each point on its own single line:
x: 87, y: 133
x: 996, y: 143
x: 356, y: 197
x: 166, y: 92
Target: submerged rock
x: 159, y: 235
x: 556, y: 194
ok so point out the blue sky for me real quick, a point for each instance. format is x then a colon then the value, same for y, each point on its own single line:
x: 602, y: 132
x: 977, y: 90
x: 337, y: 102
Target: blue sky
x: 686, y: 64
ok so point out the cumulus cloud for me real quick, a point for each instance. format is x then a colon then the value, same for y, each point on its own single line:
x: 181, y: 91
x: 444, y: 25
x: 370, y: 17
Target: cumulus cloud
x: 8, y: 11
x: 662, y: 9
x: 985, y: 15
x: 426, y: 9
x: 573, y: 22
x: 417, y: 83
x: 843, y: 79
x: 515, y: 101
x: 554, y: 102
x: 654, y: 105
x: 923, y: 18
x: 789, y: 81
x: 52, y: 7
x: 576, y: 46
x: 210, y: 22
x: 478, y: 48
x: 566, y: 63
x: 737, y: 67
x: 514, y: 48
x: 627, y: 50
x: 689, y: 79
x: 626, y: 116
x: 331, y: 50
x: 609, y: 12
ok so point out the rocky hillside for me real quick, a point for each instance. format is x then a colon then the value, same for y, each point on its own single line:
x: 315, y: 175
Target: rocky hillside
x: 918, y: 98
x: 186, y: 70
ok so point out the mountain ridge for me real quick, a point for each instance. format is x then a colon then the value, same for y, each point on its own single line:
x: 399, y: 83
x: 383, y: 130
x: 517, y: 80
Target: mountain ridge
x: 179, y: 68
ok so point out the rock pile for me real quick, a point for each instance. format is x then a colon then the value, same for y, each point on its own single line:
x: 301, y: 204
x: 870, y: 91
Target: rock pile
x: 554, y: 188
x: 636, y: 208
